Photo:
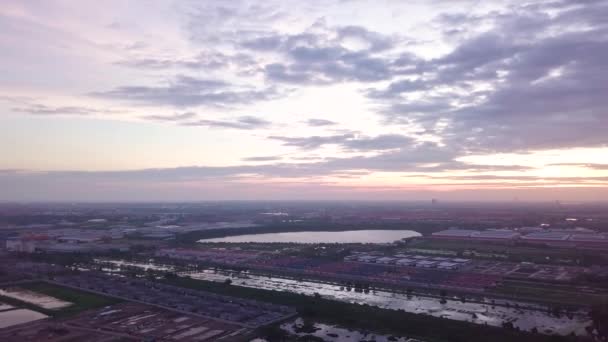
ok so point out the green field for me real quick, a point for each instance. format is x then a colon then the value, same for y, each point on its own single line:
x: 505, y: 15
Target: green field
x: 80, y: 300
x: 549, y: 293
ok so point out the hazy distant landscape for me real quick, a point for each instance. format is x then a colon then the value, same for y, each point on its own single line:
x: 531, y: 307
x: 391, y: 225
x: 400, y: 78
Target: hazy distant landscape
x: 531, y: 270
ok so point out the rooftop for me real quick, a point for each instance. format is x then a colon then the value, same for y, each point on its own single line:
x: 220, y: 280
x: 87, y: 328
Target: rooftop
x: 546, y: 236
x: 589, y: 238
x: 497, y: 234
x: 456, y: 233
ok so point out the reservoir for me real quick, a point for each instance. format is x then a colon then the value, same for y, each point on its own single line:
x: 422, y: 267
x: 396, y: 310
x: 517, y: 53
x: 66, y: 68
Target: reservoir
x: 350, y: 236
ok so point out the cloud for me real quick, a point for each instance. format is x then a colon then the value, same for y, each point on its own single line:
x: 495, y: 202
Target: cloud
x: 395, y: 153
x: 262, y: 159
x: 518, y: 77
x: 243, y: 122
x: 186, y: 91
x: 532, y: 81
x: 399, y: 87
x: 520, y: 178
x: 587, y: 165
x: 175, y: 117
x: 41, y: 109
x: 349, y: 141
x: 313, y: 142
x: 322, y: 55
x: 378, y: 143
x: 206, y: 60
x: 412, y: 159
x: 320, y: 122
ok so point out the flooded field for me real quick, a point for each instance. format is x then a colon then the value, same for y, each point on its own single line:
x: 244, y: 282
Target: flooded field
x: 331, y: 333
x: 41, y: 300
x: 497, y: 313
x: 4, y: 307
x: 19, y: 316
x: 351, y: 236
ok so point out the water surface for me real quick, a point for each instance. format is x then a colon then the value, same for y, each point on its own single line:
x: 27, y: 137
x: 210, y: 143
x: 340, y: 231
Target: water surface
x: 38, y: 299
x: 4, y: 307
x: 349, y: 236
x: 19, y: 316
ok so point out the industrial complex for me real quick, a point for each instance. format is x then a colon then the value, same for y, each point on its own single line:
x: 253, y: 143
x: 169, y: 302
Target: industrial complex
x: 556, y: 238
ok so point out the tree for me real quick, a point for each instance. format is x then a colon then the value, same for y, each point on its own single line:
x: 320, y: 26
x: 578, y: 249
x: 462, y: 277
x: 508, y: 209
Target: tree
x: 599, y: 317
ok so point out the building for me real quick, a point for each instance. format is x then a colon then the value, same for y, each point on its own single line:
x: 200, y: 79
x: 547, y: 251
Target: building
x: 548, y: 238
x: 406, y: 262
x: 496, y: 235
x: 460, y: 260
x: 79, y: 239
x: 367, y: 258
x: 589, y: 240
x: 446, y: 265
x: 385, y: 260
x: 426, y: 264
x: 458, y: 234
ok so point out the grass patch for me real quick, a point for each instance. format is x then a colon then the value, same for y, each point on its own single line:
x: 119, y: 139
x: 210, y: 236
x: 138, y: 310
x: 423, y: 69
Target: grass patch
x: 542, y: 292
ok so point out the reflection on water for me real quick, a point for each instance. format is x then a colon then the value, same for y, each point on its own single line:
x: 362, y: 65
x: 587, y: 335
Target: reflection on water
x: 480, y: 313
x: 4, y: 307
x: 41, y: 300
x: 351, y: 236
x: 19, y: 316
x: 332, y: 333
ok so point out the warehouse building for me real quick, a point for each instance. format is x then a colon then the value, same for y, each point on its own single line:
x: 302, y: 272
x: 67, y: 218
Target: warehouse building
x: 454, y: 234
x: 548, y: 238
x: 590, y: 240
x: 496, y: 235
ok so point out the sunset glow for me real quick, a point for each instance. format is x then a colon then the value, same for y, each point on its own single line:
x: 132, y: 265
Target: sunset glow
x: 199, y: 100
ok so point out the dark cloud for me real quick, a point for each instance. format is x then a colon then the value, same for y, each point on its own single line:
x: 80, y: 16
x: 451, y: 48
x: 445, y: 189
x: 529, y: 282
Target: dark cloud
x: 41, y: 109
x: 577, y: 180
x: 313, y: 142
x: 243, y: 122
x: 320, y: 122
x: 379, y: 143
x: 533, y: 81
x: 397, y: 88
x: 262, y: 159
x: 185, y: 91
x: 372, y: 41
x: 398, y: 150
x: 10, y: 171
x: 597, y: 166
x: 175, y: 117
x: 203, y: 61
x: 265, y: 43
x: 587, y: 165
x: 323, y: 57
x: 411, y: 159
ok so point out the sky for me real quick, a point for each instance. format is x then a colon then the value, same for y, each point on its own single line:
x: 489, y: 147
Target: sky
x: 190, y: 100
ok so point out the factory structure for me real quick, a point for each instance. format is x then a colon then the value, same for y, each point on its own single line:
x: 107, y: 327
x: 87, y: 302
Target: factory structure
x: 576, y: 238
x: 409, y: 260
x: 230, y: 257
x: 66, y: 241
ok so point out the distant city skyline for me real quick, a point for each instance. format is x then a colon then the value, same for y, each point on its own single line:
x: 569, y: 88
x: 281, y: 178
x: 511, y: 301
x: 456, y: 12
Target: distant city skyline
x: 168, y: 100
